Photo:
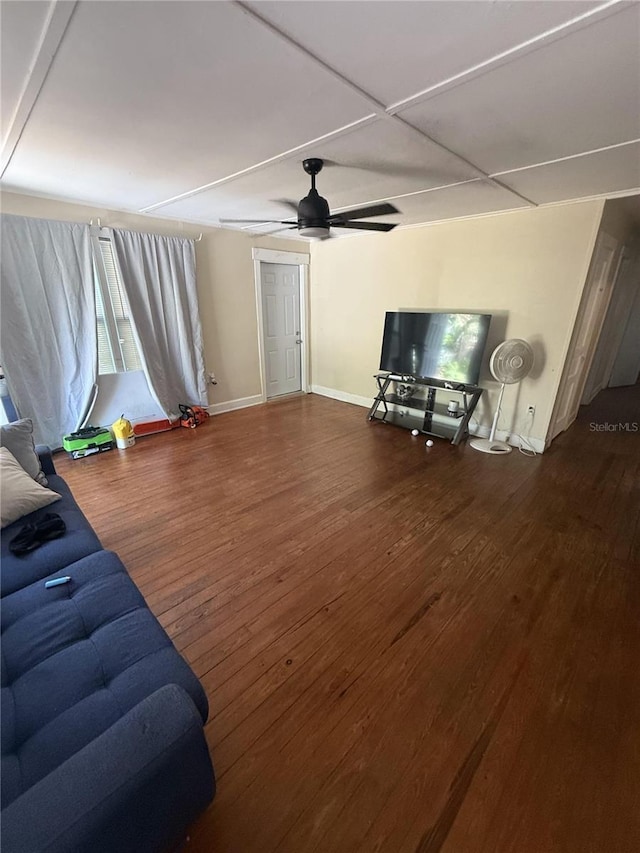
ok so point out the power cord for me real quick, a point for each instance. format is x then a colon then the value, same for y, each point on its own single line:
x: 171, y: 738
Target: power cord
x: 529, y: 450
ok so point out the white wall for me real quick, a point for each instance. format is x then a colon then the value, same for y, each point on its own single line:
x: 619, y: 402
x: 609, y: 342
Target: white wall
x: 527, y: 269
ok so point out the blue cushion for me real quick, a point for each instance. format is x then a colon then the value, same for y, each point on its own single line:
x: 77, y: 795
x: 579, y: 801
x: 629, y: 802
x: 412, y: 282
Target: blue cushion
x: 75, y: 658
x: 134, y: 788
x: 78, y: 541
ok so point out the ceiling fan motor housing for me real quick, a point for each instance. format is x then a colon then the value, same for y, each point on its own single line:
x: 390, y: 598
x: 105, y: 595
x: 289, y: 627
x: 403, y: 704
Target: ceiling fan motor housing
x: 313, y: 211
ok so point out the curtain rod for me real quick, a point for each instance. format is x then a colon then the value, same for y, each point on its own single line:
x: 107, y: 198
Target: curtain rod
x: 195, y: 239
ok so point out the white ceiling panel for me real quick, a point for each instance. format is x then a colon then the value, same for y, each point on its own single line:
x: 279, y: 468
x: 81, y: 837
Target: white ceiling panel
x: 148, y: 100
x: 382, y: 160
x: 201, y: 110
x: 395, y: 49
x: 614, y: 170
x: 469, y: 199
x: 576, y: 94
x: 21, y: 26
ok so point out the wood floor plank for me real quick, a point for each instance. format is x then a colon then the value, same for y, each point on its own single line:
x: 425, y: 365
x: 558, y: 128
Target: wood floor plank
x: 406, y: 650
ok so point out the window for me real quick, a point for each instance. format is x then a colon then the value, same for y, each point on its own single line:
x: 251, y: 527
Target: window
x: 117, y: 348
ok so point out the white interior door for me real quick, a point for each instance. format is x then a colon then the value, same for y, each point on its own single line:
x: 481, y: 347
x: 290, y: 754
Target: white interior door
x: 613, y: 328
x: 593, y: 306
x: 282, y: 343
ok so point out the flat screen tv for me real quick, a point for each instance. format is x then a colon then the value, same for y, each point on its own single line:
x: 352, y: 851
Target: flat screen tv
x: 441, y: 346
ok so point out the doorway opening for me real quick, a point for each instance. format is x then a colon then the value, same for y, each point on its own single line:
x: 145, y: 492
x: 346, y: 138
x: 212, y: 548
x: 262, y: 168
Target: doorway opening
x: 605, y: 346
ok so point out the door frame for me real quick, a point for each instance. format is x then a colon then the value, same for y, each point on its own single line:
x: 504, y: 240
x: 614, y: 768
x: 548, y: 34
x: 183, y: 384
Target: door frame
x: 294, y: 259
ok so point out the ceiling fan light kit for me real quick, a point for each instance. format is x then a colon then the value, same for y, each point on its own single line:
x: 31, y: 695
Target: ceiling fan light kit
x: 316, y: 232
x: 315, y: 219
x: 510, y: 362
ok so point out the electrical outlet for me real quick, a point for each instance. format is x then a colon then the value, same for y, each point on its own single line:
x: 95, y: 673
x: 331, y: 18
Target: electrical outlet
x: 531, y: 410
x: 212, y: 379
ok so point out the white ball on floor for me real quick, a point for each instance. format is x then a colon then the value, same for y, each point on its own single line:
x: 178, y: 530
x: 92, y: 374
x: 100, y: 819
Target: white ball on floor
x: 415, y: 432
x: 429, y: 443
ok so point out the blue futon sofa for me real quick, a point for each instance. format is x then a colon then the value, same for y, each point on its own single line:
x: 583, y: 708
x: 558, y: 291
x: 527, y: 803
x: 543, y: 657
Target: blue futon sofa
x: 103, y: 747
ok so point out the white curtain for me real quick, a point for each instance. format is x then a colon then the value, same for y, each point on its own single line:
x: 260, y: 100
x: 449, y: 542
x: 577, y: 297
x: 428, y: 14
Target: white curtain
x: 48, y: 344
x: 159, y: 278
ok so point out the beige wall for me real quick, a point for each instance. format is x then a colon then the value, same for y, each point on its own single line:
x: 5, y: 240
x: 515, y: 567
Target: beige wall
x: 226, y: 288
x: 621, y: 219
x: 526, y: 268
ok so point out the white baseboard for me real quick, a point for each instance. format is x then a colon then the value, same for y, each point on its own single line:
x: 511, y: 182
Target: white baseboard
x: 232, y: 405
x: 343, y: 396
x: 475, y: 429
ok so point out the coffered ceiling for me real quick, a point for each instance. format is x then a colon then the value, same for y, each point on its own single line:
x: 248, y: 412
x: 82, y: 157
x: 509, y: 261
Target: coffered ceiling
x: 202, y: 110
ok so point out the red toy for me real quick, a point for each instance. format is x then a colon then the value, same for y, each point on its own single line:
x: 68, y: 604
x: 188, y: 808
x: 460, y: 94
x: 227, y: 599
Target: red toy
x: 192, y: 416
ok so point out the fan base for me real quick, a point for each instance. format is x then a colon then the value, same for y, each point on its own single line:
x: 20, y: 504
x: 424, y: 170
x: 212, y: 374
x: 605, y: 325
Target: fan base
x: 485, y: 445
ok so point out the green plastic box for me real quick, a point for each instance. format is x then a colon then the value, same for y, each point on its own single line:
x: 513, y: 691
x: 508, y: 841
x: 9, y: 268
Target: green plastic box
x: 86, y: 441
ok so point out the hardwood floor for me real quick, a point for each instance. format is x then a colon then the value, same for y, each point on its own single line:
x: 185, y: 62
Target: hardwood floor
x: 405, y: 650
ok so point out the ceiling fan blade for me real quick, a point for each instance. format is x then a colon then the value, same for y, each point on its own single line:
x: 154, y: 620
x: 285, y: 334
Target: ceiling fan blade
x: 287, y: 202
x: 365, y: 212
x: 258, y: 221
x: 286, y: 228
x: 367, y: 226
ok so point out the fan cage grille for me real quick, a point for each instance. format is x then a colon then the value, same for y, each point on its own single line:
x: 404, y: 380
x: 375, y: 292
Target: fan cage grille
x: 511, y: 361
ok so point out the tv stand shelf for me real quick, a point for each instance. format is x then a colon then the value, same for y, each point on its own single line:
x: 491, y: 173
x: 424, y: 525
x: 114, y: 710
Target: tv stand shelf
x: 428, y: 414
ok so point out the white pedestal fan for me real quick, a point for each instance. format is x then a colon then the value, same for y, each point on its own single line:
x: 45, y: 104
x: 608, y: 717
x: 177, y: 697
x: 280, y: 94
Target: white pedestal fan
x: 510, y: 362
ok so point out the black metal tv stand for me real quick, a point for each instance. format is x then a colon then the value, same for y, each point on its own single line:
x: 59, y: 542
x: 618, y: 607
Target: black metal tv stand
x: 425, y: 405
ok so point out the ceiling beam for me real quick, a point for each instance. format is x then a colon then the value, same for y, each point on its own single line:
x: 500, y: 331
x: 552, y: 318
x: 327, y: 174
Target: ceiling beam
x: 568, y: 157
x: 57, y: 21
x: 380, y: 111
x: 278, y: 158
x: 373, y: 103
x: 560, y: 31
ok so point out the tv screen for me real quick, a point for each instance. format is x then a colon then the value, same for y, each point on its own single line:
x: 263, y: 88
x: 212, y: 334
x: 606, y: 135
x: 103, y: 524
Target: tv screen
x: 436, y: 345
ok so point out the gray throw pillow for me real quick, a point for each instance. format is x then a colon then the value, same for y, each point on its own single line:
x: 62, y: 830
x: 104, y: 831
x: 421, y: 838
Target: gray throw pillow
x: 18, y: 439
x: 19, y: 495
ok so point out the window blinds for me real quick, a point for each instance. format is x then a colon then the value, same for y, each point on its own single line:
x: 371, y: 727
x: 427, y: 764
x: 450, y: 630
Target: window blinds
x: 117, y: 349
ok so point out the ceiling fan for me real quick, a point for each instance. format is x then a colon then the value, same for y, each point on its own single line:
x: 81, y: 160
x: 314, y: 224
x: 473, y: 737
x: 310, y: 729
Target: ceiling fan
x: 314, y: 218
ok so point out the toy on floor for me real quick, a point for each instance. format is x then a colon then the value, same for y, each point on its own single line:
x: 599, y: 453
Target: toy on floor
x: 86, y: 441
x: 192, y: 416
